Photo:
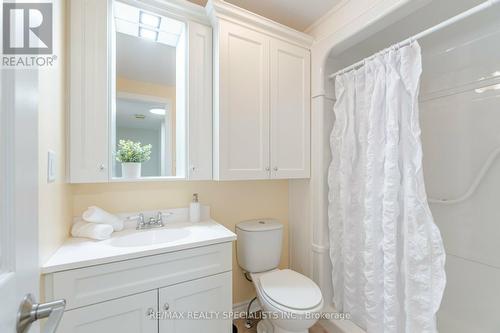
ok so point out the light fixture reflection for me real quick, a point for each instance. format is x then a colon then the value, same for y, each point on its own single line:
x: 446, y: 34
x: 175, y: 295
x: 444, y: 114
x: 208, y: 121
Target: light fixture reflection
x: 157, y: 111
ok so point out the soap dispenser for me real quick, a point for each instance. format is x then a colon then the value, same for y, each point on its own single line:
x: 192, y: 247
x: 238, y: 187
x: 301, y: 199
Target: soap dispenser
x: 194, y: 209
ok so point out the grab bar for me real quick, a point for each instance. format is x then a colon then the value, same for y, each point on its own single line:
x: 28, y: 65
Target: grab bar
x: 475, y: 184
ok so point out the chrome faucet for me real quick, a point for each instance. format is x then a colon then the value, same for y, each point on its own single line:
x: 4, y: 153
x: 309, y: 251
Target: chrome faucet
x: 153, y: 222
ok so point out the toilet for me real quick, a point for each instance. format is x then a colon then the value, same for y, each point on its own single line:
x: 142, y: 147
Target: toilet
x: 291, y: 302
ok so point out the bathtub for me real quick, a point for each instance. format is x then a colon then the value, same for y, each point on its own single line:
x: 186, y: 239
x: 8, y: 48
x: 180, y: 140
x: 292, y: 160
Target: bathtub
x: 339, y: 326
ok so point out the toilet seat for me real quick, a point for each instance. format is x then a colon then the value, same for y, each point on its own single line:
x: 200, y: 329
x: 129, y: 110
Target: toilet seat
x: 290, y: 290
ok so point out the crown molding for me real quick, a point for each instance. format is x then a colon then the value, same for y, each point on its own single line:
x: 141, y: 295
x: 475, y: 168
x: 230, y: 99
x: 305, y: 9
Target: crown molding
x: 219, y: 9
x: 326, y: 16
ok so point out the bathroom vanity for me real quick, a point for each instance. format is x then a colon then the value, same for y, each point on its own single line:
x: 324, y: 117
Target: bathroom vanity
x: 170, y: 279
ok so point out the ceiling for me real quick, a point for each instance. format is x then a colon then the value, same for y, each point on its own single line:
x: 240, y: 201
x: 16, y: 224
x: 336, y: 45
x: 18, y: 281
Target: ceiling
x: 144, y: 60
x: 297, y: 14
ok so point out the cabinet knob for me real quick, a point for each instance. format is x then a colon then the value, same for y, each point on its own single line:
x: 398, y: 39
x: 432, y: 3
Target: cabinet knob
x: 150, y: 312
x: 275, y: 168
x: 166, y: 306
x: 102, y: 167
x: 268, y: 169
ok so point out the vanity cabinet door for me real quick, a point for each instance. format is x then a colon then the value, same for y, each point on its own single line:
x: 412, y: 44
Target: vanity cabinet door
x: 241, y: 117
x: 290, y: 111
x: 125, y: 315
x: 89, y: 92
x: 185, y: 307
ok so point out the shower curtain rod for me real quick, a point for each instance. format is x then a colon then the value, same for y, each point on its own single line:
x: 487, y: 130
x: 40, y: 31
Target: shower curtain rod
x: 444, y: 24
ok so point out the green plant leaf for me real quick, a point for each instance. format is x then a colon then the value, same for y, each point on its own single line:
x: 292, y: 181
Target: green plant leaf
x: 133, y: 152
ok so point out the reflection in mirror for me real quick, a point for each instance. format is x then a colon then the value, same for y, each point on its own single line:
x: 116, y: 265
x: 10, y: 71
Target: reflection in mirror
x: 149, y: 104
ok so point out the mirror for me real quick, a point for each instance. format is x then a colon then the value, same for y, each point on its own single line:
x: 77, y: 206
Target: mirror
x: 148, y: 134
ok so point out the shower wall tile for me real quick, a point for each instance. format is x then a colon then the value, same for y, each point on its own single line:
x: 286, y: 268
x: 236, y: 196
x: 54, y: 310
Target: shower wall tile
x: 471, y: 298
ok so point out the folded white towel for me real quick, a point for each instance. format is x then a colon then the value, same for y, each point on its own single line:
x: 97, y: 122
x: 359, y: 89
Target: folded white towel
x: 91, y: 230
x: 97, y: 215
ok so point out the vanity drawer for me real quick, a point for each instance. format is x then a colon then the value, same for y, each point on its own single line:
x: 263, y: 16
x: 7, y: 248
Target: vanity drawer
x: 90, y: 285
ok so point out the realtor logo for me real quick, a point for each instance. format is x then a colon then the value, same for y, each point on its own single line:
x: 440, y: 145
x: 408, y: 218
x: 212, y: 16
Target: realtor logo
x: 27, y: 28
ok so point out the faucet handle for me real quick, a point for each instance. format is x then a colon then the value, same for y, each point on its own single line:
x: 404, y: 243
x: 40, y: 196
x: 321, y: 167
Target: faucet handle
x: 159, y: 218
x: 140, y: 220
x: 160, y: 215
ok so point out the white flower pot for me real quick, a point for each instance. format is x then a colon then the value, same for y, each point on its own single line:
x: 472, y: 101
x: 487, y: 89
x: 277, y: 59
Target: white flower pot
x: 131, y: 170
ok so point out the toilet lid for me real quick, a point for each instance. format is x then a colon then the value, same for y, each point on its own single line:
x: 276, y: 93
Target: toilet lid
x: 291, y: 289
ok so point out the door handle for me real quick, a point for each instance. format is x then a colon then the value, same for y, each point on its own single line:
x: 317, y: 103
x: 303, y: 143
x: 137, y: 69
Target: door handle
x: 29, y: 312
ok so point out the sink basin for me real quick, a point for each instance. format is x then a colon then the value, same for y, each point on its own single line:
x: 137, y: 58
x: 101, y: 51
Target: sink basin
x: 149, y: 237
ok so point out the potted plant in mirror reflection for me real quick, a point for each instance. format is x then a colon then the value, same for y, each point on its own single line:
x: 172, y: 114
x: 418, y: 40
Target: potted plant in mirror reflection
x: 131, y: 155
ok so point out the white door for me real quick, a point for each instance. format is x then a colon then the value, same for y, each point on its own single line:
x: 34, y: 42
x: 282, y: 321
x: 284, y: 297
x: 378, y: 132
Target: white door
x: 194, y: 306
x: 131, y: 314
x: 290, y: 110
x: 243, y: 120
x: 18, y: 193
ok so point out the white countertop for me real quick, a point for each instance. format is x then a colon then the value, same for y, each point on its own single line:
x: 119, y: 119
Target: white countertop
x: 131, y: 243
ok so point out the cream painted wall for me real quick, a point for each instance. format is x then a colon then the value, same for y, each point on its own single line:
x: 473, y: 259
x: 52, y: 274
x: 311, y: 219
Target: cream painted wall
x: 230, y: 203
x: 54, y: 198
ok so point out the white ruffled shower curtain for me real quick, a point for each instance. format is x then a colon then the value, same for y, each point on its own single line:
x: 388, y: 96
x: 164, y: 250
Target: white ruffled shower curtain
x: 387, y: 253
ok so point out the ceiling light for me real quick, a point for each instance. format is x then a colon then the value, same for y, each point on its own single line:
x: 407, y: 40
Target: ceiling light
x: 158, y: 111
x: 148, y: 34
x: 149, y: 19
x: 487, y: 88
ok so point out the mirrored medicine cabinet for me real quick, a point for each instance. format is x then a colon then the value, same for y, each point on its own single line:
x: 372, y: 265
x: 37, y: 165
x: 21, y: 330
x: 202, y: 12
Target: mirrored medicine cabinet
x: 140, y: 91
x: 148, y: 124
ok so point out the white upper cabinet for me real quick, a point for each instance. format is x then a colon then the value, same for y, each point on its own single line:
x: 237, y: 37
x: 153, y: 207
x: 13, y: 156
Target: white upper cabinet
x: 200, y: 102
x: 89, y: 91
x: 261, y: 97
x: 242, y: 121
x: 143, y: 73
x: 290, y: 110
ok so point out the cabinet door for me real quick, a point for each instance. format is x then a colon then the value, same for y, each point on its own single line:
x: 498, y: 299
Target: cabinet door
x: 242, y: 116
x: 89, y: 91
x: 200, y: 102
x: 185, y: 306
x: 125, y: 315
x: 290, y: 111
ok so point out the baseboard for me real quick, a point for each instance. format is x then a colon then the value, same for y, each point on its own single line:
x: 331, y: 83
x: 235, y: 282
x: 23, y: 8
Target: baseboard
x: 242, y: 306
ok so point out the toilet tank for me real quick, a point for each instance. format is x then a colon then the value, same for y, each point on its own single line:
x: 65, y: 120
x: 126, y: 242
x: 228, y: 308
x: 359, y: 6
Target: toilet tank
x: 258, y: 247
